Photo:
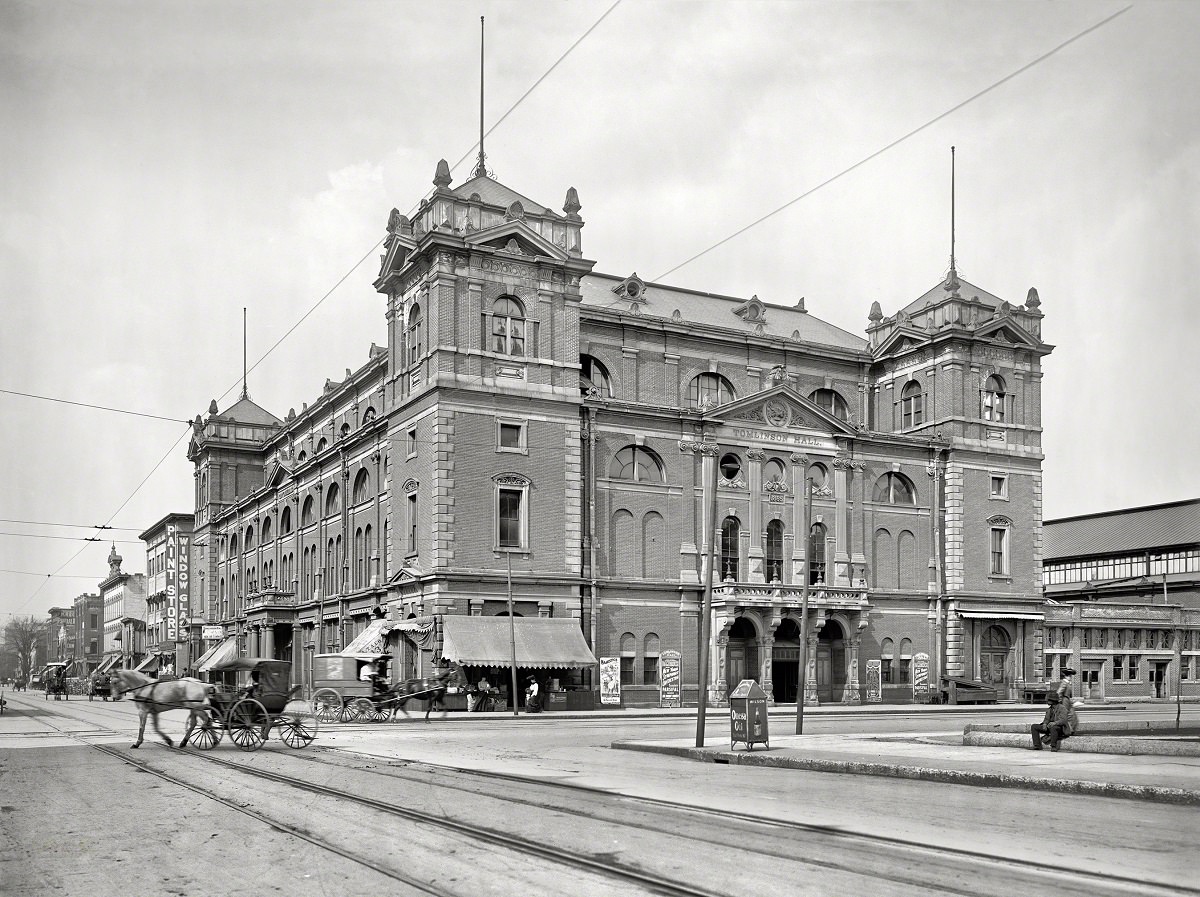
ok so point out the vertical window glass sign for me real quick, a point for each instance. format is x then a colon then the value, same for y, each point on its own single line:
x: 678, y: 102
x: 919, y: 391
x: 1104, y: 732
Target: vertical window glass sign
x: 668, y: 679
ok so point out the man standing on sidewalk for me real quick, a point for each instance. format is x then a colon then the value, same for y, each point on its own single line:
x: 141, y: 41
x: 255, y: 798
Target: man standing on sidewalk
x: 1054, y: 727
x: 1065, y: 689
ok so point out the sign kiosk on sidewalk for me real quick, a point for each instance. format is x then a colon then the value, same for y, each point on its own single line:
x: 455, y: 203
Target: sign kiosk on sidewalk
x: 748, y: 715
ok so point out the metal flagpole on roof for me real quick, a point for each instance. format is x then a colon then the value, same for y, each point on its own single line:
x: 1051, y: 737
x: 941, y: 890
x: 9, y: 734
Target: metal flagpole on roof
x: 512, y: 633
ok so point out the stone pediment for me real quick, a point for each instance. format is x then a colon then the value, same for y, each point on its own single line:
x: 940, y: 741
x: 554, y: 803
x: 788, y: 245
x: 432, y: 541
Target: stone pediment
x: 516, y: 238
x: 781, y: 408
x: 1006, y: 330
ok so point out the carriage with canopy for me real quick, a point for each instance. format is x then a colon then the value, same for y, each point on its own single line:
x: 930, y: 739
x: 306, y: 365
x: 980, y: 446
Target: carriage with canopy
x: 342, y: 695
x: 54, y: 675
x: 249, y: 714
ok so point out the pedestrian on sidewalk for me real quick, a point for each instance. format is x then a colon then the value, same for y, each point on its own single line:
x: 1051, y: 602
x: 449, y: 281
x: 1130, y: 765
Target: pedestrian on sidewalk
x: 1054, y: 727
x: 1066, y: 690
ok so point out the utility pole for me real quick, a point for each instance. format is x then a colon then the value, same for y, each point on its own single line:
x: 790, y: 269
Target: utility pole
x: 709, y: 455
x: 805, y: 526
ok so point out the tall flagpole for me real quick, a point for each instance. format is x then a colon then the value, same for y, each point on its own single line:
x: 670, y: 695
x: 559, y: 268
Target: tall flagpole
x: 481, y: 166
x: 245, y: 394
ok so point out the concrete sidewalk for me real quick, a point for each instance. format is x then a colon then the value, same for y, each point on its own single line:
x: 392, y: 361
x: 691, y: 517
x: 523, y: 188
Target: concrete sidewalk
x: 1174, y: 780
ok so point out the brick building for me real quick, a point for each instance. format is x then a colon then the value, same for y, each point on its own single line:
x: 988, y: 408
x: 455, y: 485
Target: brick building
x: 533, y: 422
x: 171, y: 639
x: 1123, y: 601
x: 89, y: 629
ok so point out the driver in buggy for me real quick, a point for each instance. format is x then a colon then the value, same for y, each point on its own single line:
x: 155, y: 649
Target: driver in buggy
x: 373, y: 671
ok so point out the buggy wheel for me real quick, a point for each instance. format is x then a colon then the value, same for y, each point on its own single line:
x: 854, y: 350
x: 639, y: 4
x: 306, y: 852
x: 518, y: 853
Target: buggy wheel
x: 380, y: 713
x: 358, y: 709
x: 327, y: 705
x: 207, y: 737
x: 248, y: 724
x: 298, y: 730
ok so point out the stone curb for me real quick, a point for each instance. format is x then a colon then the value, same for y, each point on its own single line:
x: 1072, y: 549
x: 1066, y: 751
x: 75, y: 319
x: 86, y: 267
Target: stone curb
x: 1180, y: 796
x: 1087, y: 744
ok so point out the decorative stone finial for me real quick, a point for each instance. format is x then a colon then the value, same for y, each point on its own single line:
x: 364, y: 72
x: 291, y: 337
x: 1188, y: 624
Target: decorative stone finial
x: 572, y: 206
x: 876, y: 314
x: 1032, y: 300
x: 800, y: 306
x: 212, y: 407
x: 396, y: 222
x: 114, y: 561
x: 441, y: 177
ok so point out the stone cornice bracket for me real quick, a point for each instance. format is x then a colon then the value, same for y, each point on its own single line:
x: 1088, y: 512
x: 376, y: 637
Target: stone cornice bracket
x: 844, y: 463
x: 709, y: 449
x: 376, y: 457
x: 933, y: 471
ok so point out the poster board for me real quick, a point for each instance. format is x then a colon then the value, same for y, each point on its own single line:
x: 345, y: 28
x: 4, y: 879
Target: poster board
x: 874, y: 681
x: 610, y: 680
x: 668, y: 679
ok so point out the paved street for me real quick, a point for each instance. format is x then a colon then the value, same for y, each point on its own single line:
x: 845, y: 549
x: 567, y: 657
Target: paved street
x: 54, y: 780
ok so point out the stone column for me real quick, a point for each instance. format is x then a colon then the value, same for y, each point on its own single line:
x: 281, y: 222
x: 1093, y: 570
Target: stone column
x: 851, y: 694
x: 268, y: 640
x: 810, y: 676
x: 718, y: 684
x: 766, y: 650
x: 755, y: 459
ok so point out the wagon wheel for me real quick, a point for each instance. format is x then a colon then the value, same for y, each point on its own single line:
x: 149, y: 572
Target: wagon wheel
x: 208, y: 736
x: 380, y: 713
x: 297, y: 729
x: 327, y: 705
x: 248, y: 723
x: 359, y: 708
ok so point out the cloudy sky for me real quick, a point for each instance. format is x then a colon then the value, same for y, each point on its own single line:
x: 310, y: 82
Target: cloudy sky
x: 166, y: 165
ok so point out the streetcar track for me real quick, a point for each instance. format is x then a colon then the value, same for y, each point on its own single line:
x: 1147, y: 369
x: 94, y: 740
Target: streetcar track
x: 1049, y: 874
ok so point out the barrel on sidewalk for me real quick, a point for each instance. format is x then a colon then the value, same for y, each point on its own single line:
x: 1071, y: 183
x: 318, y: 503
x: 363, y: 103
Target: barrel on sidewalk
x: 748, y: 715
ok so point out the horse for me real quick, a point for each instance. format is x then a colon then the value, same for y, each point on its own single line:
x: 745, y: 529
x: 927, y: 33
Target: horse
x: 431, y: 687
x: 153, y: 697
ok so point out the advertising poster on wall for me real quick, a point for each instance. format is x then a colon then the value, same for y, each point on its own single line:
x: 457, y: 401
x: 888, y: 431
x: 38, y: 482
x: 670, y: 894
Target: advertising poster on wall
x: 668, y: 679
x: 610, y: 680
x: 874, y: 682
x: 920, y: 668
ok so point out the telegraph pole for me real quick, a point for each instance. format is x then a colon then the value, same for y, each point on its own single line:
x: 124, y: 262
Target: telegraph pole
x: 805, y: 526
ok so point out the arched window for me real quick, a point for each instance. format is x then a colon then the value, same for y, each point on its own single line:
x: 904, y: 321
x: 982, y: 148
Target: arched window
x: 414, y: 335
x: 362, y: 486
x: 894, y: 489
x: 775, y: 472
x: 709, y: 389
x: 887, y: 660
x: 359, y: 559
x: 333, y: 500
x: 306, y: 511
x: 654, y: 546
x: 650, y: 659
x: 905, y: 661
x: 368, y: 416
x: 322, y: 444
x: 992, y: 400
x: 773, y: 564
x: 816, y: 554
x: 224, y: 596
x: 912, y: 405
x: 285, y: 521
x: 731, y: 529
x: 731, y: 466
x: 628, y: 656
x: 508, y: 326
x: 637, y: 463
x: 249, y: 537
x: 593, y: 375
x: 345, y: 430
x: 819, y: 474
x: 367, y: 546
x: 233, y: 547
x: 829, y: 400
x: 266, y: 530
x: 302, y: 457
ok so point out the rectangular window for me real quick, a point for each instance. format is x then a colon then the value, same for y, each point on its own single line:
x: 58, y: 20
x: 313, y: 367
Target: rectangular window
x: 412, y: 523
x: 999, y: 486
x: 1118, y: 667
x: 649, y: 671
x: 94, y: 621
x: 412, y: 443
x: 1133, y: 667
x: 886, y: 675
x: 627, y: 670
x: 509, y: 517
x: 1185, y: 668
x: 999, y: 554
x: 905, y: 671
x: 510, y: 437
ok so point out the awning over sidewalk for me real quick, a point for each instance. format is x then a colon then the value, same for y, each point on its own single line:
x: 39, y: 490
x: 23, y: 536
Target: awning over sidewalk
x: 541, y: 643
x: 149, y: 665
x: 370, y: 641
x: 222, y: 653
x: 106, y: 664
x: 421, y: 630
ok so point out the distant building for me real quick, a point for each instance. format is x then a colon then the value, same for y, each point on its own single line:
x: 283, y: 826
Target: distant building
x: 1123, y: 601
x: 169, y: 630
x: 61, y: 634
x: 89, y: 629
x: 535, y: 422
x: 123, y: 596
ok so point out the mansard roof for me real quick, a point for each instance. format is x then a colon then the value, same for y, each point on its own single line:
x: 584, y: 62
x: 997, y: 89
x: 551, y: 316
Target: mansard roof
x: 652, y: 300
x: 937, y: 293
x: 245, y: 411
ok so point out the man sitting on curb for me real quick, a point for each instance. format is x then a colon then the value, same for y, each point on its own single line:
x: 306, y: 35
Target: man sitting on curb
x: 1054, y: 727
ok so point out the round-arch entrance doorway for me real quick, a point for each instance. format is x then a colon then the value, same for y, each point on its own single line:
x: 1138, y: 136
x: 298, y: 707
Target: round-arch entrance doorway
x: 994, y: 648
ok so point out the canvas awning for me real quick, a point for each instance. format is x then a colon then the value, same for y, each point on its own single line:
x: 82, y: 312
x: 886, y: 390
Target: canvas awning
x: 541, y: 643
x: 420, y: 629
x: 149, y: 665
x: 106, y: 664
x: 222, y: 653
x: 1001, y: 615
x: 370, y: 641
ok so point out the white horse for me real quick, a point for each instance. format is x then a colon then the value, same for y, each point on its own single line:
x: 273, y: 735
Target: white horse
x: 153, y: 697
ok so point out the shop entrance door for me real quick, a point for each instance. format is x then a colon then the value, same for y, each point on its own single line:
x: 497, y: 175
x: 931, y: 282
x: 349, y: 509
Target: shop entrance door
x: 1090, y: 681
x: 994, y: 650
x: 1158, y: 678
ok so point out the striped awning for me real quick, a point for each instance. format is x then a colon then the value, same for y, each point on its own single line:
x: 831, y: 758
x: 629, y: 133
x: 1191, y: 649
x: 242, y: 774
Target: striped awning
x: 222, y: 653
x: 542, y: 643
x: 149, y: 665
x: 107, y: 664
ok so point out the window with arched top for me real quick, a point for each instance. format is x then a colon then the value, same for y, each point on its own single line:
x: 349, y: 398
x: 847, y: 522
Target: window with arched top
x: 731, y: 529
x: 362, y: 486
x: 322, y: 444
x: 368, y: 416
x: 773, y: 558
x: 709, y: 389
x: 830, y: 400
x: 306, y: 511
x: 628, y: 656
x: 285, y: 521
x: 508, y: 326
x: 905, y: 677
x: 249, y: 537
x: 594, y: 376
x: 816, y: 552
x: 233, y: 547
x: 650, y: 652
x: 333, y: 500
x: 887, y: 661
x: 912, y: 405
x: 345, y: 430
x: 637, y: 463
x: 894, y: 489
x: 992, y: 399
x: 414, y: 336
x: 266, y: 530
x: 302, y: 457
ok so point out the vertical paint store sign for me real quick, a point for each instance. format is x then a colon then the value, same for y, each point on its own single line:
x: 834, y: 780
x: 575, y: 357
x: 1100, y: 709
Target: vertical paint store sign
x: 172, y: 614
x: 177, y: 576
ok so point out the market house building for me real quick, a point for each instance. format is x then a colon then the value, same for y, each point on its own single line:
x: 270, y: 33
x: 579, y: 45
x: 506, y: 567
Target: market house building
x: 89, y: 618
x: 534, y: 427
x: 1123, y: 601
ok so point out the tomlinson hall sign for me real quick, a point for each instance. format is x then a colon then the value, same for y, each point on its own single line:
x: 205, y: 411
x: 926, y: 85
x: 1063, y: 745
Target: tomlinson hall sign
x: 178, y: 575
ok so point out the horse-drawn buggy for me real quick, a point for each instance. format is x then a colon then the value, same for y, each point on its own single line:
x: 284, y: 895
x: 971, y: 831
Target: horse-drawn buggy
x: 54, y: 675
x: 343, y: 692
x: 248, y: 713
x: 99, y: 685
